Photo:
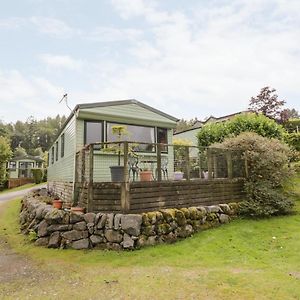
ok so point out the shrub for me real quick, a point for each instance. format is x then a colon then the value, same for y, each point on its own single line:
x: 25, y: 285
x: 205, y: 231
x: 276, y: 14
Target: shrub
x: 5, y: 155
x: 293, y: 140
x: 267, y: 161
x: 37, y: 175
x: 217, y: 132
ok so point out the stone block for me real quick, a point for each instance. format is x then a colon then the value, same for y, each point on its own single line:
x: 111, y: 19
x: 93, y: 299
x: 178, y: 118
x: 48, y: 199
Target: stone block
x: 131, y: 224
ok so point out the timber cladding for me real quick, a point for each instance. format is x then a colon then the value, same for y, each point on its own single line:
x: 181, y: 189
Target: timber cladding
x: 150, y: 196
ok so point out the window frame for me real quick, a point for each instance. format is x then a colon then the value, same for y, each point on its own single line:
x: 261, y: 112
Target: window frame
x: 62, y: 145
x: 129, y: 124
x: 56, y: 151
x: 52, y: 155
x: 85, y: 130
x: 167, y: 131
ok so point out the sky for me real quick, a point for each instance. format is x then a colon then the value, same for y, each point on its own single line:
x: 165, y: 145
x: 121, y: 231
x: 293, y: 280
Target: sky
x: 192, y: 58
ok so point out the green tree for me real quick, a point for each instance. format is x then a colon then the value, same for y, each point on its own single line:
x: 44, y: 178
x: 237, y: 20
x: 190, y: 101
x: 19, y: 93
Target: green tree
x: 20, y: 152
x: 258, y: 123
x: 5, y: 155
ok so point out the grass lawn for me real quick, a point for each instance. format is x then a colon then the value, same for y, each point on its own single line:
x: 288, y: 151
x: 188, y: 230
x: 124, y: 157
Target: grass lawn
x: 245, y: 259
x: 20, y: 188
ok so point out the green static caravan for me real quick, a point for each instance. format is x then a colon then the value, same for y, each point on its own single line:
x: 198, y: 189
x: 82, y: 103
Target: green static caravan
x: 92, y: 123
x: 20, y: 167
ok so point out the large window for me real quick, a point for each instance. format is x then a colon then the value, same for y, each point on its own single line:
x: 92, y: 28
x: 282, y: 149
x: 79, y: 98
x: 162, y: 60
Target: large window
x: 93, y: 132
x: 62, y: 145
x: 134, y: 133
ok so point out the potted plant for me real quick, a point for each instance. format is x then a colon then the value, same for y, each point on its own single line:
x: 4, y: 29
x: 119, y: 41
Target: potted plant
x: 117, y: 172
x: 57, y: 203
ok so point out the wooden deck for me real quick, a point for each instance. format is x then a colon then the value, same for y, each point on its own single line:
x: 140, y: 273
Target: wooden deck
x: 136, y: 197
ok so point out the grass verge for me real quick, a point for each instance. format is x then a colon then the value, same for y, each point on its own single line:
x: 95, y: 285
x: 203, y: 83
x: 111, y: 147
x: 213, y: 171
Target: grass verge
x: 246, y: 259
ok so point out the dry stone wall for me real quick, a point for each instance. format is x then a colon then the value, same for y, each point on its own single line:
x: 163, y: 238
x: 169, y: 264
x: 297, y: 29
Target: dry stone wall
x: 55, y: 228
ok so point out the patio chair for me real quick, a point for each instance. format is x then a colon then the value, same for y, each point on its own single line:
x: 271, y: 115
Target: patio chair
x: 164, y: 167
x: 133, y: 167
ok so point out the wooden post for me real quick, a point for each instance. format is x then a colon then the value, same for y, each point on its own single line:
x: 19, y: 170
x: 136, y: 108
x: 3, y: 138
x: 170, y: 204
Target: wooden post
x: 91, y: 177
x: 82, y: 165
x: 126, y: 173
x: 125, y: 197
x: 229, y: 164
x: 209, y: 164
x: 187, y: 162
x: 200, y: 169
x: 215, y: 165
x: 158, y: 158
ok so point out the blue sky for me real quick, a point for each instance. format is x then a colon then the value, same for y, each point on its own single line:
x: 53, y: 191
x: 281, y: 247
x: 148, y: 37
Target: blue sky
x: 188, y: 58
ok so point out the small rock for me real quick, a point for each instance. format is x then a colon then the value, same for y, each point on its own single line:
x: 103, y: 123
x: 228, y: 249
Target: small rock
x: 42, y: 229
x: 55, y: 216
x: 128, y: 242
x: 59, y: 227
x: 113, y: 236
x: 223, y: 218
x: 102, y: 221
x: 89, y: 217
x: 54, y: 241
x: 76, y: 217
x: 43, y: 241
x: 74, y: 235
x: 80, y: 226
x: 117, y: 221
x: 80, y: 244
x: 131, y: 224
x: 96, y: 239
x: 90, y: 227
x: 109, y: 221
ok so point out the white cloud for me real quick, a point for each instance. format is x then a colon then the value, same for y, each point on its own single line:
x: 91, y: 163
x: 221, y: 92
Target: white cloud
x: 213, y: 61
x: 111, y: 34
x: 53, y: 27
x: 22, y: 96
x: 61, y: 61
x: 11, y: 23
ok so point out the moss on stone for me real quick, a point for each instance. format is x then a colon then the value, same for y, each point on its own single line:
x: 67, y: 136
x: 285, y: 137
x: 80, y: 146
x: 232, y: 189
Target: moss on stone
x: 195, y: 214
x: 148, y: 230
x: 145, y: 220
x: 168, y: 214
x: 152, y: 217
x: 163, y: 228
x: 186, y: 212
x: 180, y: 217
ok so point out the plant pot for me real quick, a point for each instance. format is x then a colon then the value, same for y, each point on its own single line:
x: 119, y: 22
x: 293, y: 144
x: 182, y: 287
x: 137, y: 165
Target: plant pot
x: 117, y: 173
x: 77, y: 209
x: 178, y: 175
x: 57, y: 203
x: 145, y: 175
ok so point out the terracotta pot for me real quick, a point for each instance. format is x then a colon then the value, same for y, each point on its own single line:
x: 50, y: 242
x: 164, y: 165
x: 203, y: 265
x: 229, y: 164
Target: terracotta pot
x: 77, y: 209
x: 57, y: 203
x: 145, y: 175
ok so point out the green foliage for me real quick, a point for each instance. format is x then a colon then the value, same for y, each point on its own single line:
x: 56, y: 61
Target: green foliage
x: 268, y: 171
x: 5, y: 155
x: 292, y: 125
x: 33, y: 134
x: 37, y: 175
x: 217, y: 132
x: 32, y: 235
x: 19, y: 152
x: 293, y: 140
